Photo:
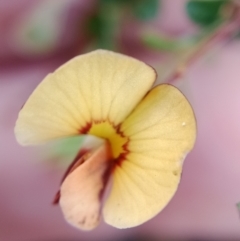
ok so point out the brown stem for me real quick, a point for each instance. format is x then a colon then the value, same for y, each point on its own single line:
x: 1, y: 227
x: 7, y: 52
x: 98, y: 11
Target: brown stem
x: 223, y: 31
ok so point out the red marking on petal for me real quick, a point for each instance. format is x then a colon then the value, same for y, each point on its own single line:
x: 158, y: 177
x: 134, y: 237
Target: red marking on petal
x: 123, y: 156
x: 84, y: 154
x: 120, y: 159
x: 86, y: 128
x: 56, y: 198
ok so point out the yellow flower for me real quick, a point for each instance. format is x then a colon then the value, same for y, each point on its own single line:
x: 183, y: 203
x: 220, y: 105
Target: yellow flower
x: 145, y: 137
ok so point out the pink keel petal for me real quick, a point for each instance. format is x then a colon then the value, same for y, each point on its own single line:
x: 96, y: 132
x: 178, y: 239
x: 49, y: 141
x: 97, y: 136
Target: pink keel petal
x: 82, y: 190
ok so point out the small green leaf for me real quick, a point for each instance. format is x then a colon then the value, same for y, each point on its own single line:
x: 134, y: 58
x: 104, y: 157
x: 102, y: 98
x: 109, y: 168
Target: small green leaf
x: 145, y: 9
x: 160, y: 43
x: 166, y: 43
x: 204, y: 12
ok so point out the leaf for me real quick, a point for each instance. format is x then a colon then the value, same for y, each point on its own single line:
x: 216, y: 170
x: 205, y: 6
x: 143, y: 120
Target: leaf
x: 160, y: 42
x: 104, y: 25
x: 204, y: 12
x: 145, y: 9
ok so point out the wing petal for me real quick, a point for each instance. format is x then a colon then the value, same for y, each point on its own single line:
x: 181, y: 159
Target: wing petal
x: 162, y: 130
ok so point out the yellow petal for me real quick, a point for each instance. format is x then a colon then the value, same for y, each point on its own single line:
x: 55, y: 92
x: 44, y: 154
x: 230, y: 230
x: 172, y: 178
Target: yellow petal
x: 95, y: 87
x: 81, y: 191
x: 162, y: 130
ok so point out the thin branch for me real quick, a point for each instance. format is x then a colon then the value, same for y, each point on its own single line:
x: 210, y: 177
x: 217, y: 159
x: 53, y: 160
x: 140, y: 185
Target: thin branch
x: 223, y: 31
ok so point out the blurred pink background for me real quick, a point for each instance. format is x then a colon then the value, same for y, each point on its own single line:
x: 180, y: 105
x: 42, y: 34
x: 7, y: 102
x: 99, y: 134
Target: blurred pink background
x: 204, y: 207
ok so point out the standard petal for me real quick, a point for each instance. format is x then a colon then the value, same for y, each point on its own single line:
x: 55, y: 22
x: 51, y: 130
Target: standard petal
x: 162, y: 130
x: 95, y: 87
x: 81, y: 191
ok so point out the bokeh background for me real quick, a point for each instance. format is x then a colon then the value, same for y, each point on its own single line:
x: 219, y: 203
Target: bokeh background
x: 37, y: 36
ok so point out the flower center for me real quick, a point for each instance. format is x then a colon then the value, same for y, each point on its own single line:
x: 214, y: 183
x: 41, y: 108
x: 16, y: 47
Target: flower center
x: 107, y: 131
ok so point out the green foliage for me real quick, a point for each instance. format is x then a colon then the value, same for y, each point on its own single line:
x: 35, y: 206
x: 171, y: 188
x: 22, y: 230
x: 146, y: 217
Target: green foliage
x: 167, y: 43
x: 105, y: 25
x: 204, y: 12
x: 145, y: 9
x: 159, y: 42
x: 68, y: 147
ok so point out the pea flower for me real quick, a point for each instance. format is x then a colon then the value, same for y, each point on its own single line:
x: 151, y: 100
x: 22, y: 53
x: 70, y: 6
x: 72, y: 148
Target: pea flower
x: 145, y: 136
